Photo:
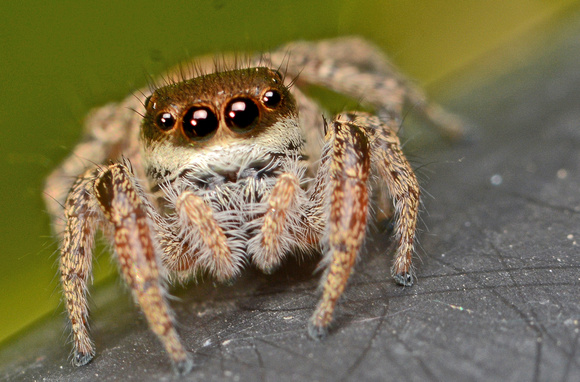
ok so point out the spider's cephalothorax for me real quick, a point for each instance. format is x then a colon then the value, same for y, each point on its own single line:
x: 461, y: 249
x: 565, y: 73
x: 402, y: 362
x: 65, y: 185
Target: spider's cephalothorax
x: 214, y: 149
x: 234, y: 167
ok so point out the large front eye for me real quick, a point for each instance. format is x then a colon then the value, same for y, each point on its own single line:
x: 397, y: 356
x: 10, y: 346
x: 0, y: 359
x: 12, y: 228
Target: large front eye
x: 165, y: 120
x: 241, y: 113
x: 199, y: 122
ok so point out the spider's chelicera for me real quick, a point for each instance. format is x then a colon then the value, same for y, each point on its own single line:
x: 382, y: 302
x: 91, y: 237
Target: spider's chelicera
x: 237, y: 166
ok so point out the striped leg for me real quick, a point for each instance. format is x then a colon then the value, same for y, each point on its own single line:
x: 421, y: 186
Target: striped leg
x: 75, y: 263
x: 348, y: 171
x: 397, y: 175
x: 281, y: 223
x: 119, y: 199
x: 209, y: 247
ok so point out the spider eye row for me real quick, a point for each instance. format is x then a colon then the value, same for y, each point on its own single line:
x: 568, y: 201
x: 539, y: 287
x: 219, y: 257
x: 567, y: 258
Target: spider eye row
x: 199, y: 122
x: 241, y: 114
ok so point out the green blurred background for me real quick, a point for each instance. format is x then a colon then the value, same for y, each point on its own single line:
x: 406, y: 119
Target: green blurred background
x: 60, y: 59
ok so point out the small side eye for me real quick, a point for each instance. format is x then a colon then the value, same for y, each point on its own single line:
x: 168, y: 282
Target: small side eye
x: 199, y: 122
x: 278, y: 77
x: 271, y: 98
x: 146, y: 103
x: 241, y: 113
x: 165, y: 121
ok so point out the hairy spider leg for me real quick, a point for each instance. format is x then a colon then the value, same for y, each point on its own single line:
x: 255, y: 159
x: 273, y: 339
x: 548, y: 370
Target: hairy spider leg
x: 76, y: 262
x: 197, y: 218
x: 397, y: 176
x: 357, y: 68
x: 122, y: 205
x: 268, y: 247
x: 346, y: 202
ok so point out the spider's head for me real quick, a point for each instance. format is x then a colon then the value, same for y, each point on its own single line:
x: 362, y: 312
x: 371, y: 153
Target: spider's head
x: 223, y: 120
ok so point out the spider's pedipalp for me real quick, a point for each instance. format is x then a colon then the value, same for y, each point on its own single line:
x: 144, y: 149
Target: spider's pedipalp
x: 270, y: 242
x: 197, y: 216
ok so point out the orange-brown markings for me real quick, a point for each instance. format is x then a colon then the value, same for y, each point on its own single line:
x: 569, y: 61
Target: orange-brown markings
x: 123, y: 207
x: 349, y: 173
x: 281, y: 200
x: 75, y: 264
x: 200, y: 216
x: 404, y: 189
x: 177, y: 255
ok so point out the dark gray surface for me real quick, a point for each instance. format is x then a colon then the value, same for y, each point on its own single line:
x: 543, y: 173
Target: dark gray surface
x: 499, y: 271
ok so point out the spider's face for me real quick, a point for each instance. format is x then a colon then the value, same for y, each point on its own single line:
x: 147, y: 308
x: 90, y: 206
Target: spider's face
x: 220, y: 122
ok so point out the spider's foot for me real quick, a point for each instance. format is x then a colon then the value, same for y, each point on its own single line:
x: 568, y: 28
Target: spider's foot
x: 267, y: 265
x: 227, y: 279
x: 225, y: 272
x: 227, y: 282
x: 184, y: 366
x: 81, y: 359
x: 317, y: 332
x: 270, y: 269
x: 404, y: 278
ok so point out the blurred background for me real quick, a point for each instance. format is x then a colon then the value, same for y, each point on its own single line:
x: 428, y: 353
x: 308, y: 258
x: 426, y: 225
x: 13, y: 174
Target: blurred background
x: 59, y: 60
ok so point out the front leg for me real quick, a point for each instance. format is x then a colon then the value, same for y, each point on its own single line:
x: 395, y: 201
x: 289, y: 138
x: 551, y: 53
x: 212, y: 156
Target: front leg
x: 346, y: 170
x: 398, y: 179
x: 118, y: 197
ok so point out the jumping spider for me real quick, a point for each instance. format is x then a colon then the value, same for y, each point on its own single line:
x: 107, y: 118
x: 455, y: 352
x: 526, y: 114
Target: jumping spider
x: 214, y: 171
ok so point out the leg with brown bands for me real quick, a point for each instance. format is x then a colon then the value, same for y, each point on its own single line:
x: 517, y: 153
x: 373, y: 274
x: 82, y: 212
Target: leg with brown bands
x: 123, y: 207
x: 403, y: 187
x: 348, y: 170
x: 280, y: 201
x: 75, y: 264
x: 199, y: 216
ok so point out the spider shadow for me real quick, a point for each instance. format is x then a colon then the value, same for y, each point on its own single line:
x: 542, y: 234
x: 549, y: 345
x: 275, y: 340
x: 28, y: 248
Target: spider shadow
x: 255, y: 305
x: 219, y: 320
